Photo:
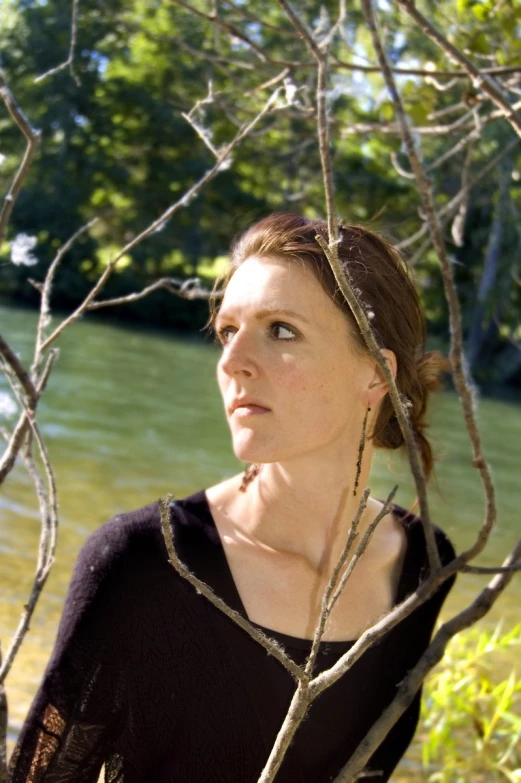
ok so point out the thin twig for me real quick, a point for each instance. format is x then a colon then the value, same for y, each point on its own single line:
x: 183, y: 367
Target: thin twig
x: 270, y: 83
x: 19, y: 370
x: 329, y: 598
x: 433, y: 654
x: 215, y: 59
x: 342, y: 277
x: 158, y: 224
x: 230, y: 28
x: 47, y: 545
x: 468, y: 569
x: 456, y: 355
x: 69, y: 62
x: 46, y: 291
x: 32, y: 137
x: 461, y: 144
x: 306, y: 693
x: 186, y: 289
x: 481, y: 80
x: 451, y: 205
x: 497, y: 71
x: 458, y: 224
x: 424, y: 130
x: 399, y: 168
x: 342, y: 14
x: 270, y: 645
x: 257, y: 19
x: 13, y: 447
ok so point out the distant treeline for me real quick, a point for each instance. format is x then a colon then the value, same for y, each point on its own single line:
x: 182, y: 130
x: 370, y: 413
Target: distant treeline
x: 116, y: 146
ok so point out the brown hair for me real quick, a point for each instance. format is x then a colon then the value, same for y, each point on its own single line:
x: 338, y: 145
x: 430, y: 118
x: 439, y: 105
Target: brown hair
x: 383, y: 282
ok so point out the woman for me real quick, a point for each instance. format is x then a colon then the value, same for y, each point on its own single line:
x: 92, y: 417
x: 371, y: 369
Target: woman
x: 150, y: 678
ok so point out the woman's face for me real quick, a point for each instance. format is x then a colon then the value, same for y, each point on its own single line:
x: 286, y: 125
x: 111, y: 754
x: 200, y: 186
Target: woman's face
x: 301, y: 365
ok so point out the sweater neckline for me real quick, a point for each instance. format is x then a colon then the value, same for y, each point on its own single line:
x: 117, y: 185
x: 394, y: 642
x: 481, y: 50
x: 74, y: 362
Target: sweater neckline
x: 199, y: 505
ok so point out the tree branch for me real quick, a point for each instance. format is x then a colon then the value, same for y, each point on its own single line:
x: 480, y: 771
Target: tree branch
x: 32, y: 137
x: 271, y: 646
x: 451, y: 205
x: 186, y: 289
x: 46, y: 292
x: 433, y: 654
x: 158, y: 224
x: 48, y: 537
x: 69, y: 62
x: 9, y: 456
x: 342, y: 277
x: 456, y: 355
x: 480, y: 79
x: 23, y: 376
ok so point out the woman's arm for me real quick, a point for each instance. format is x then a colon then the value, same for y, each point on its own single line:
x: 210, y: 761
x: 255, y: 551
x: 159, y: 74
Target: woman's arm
x: 75, y: 718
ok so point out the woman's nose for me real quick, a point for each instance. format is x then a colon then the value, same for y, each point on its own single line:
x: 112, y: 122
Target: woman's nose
x: 239, y: 356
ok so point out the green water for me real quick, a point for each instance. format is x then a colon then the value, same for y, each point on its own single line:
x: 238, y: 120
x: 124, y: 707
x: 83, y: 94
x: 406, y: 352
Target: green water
x: 129, y: 416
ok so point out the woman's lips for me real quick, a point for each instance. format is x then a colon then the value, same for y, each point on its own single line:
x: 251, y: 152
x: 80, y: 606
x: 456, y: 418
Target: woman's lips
x: 249, y: 410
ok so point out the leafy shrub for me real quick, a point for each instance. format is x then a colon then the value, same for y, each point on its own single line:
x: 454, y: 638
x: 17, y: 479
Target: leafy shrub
x: 470, y: 723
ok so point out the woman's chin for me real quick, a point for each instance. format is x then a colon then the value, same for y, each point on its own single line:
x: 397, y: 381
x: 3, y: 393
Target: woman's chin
x: 249, y: 454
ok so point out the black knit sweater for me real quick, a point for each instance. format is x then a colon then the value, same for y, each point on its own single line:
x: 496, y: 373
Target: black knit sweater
x: 152, y: 680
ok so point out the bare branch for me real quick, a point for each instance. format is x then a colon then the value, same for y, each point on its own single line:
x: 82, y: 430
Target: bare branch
x: 329, y: 598
x: 401, y: 171
x: 46, y: 291
x: 270, y: 83
x: 328, y: 40
x: 480, y: 79
x: 230, y: 28
x: 271, y: 646
x: 48, y: 536
x: 69, y: 62
x: 342, y: 277
x: 158, y: 224
x: 433, y: 654
x: 451, y: 205
x: 9, y: 456
x: 456, y: 107
x: 215, y: 59
x: 458, y: 225
x: 23, y: 376
x: 430, y: 75
x: 32, y: 137
x: 461, y: 144
x: 393, y: 129
x: 456, y: 355
x: 186, y: 289
x: 246, y: 15
x: 441, y: 87
x: 363, y: 545
x: 490, y: 569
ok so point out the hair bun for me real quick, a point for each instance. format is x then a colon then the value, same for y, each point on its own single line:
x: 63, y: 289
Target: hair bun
x: 430, y: 368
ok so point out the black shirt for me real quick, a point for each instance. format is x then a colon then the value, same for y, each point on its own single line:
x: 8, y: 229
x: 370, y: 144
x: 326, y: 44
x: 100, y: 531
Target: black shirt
x: 152, y: 680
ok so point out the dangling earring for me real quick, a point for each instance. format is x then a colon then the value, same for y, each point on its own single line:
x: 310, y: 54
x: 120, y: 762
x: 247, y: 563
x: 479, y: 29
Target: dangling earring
x: 361, y: 448
x: 250, y: 472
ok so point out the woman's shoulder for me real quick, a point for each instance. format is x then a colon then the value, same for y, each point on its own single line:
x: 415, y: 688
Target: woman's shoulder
x: 138, y: 532
x: 415, y: 529
x: 125, y: 537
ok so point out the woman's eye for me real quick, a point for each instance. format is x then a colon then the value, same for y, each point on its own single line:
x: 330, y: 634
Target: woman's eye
x: 285, y: 329
x: 273, y: 328
x: 221, y: 334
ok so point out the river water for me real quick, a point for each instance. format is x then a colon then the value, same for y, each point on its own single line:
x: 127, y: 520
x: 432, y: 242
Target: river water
x: 131, y: 415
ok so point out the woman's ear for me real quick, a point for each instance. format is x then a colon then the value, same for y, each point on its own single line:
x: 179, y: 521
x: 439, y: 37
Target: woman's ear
x: 378, y: 387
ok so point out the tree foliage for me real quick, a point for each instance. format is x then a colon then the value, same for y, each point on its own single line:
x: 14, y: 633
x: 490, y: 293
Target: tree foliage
x: 116, y: 145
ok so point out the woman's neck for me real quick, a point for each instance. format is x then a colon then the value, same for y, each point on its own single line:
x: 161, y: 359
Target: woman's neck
x: 284, y: 510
